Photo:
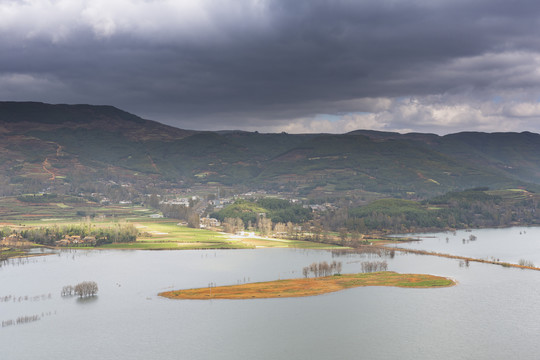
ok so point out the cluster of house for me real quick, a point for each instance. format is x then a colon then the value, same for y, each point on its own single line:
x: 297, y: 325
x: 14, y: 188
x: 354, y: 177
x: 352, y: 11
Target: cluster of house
x: 12, y: 240
x: 179, y: 201
x: 76, y: 240
x: 17, y: 240
x: 219, y: 203
x: 208, y: 222
x: 321, y: 208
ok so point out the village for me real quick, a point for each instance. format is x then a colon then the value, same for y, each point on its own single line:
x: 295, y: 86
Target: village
x: 17, y: 241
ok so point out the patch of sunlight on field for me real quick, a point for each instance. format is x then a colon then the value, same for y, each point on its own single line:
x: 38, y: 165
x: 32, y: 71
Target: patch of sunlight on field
x: 62, y: 205
x: 167, y: 234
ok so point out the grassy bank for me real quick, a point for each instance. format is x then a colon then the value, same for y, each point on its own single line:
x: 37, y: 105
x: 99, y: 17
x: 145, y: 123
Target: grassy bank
x: 7, y: 253
x: 310, y: 286
x: 166, y: 234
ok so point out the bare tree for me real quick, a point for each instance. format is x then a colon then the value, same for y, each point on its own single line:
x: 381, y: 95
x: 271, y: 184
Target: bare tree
x: 290, y: 230
x: 280, y: 228
x: 374, y: 266
x: 322, y: 269
x: 86, y: 288
x: 265, y: 225
x: 339, y: 267
x: 67, y: 290
x: 232, y: 225
x: 194, y: 220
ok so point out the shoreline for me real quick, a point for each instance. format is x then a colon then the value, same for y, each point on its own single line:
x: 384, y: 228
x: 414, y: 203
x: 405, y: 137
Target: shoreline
x: 457, y: 257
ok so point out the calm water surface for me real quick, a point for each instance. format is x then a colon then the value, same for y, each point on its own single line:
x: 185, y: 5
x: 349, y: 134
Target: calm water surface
x: 510, y: 244
x: 491, y: 314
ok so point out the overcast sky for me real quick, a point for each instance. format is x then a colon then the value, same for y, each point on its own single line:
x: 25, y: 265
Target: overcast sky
x: 437, y: 66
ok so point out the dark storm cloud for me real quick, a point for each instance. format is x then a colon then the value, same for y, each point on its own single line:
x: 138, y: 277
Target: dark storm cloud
x: 279, y: 64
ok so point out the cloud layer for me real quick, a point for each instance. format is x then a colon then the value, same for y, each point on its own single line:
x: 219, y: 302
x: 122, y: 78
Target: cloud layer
x: 300, y: 66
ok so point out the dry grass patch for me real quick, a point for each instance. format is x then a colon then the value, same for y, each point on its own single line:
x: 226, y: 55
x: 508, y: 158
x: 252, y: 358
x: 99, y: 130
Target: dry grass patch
x: 310, y: 286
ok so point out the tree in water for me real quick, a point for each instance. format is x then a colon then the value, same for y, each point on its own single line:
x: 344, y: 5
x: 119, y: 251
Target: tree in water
x: 323, y: 269
x: 86, y: 288
x: 67, y: 290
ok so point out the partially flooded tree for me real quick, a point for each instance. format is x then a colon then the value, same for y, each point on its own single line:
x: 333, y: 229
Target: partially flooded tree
x: 374, y: 266
x: 323, y: 269
x: 337, y: 266
x: 67, y: 290
x: 528, y: 263
x: 86, y: 288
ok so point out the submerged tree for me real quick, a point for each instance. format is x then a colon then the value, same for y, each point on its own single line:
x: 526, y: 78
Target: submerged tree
x: 86, y: 288
x: 67, y: 290
x: 323, y: 269
x: 374, y: 266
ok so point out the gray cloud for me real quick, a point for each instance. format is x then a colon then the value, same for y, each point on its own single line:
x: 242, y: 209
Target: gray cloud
x: 436, y: 66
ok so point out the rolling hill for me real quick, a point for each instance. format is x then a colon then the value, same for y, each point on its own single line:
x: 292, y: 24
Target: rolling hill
x: 70, y: 146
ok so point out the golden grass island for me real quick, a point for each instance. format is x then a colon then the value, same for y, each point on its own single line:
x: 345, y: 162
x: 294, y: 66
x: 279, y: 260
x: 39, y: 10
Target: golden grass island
x: 310, y: 286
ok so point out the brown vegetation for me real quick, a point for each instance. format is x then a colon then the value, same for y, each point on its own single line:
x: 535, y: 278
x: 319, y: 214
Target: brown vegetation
x: 309, y: 286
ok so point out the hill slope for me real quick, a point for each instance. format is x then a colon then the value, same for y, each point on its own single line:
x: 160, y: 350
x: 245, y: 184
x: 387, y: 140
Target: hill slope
x: 71, y: 146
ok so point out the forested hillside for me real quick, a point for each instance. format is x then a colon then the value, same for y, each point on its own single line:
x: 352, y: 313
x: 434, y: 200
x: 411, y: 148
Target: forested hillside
x: 71, y: 148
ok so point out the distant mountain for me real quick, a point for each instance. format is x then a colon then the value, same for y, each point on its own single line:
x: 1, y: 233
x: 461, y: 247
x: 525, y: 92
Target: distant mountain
x: 73, y: 146
x: 20, y: 117
x: 514, y: 155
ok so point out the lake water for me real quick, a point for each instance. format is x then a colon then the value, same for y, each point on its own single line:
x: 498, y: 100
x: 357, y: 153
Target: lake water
x: 491, y: 314
x: 508, y: 245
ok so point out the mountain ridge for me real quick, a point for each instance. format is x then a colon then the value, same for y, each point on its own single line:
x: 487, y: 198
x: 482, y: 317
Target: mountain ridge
x: 78, y: 143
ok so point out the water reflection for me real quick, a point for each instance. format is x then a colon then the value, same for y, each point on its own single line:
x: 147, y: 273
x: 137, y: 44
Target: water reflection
x: 489, y: 315
x: 87, y: 300
x: 513, y: 245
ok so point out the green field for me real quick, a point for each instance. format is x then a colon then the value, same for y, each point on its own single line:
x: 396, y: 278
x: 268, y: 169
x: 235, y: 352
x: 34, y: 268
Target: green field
x: 161, y: 234
x: 154, y: 234
x: 62, y: 209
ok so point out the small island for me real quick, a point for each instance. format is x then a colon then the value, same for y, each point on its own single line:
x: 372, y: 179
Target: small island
x: 310, y: 286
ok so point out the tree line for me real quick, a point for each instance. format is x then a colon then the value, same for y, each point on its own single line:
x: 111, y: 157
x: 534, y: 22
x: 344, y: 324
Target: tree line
x: 85, y: 288
x: 264, y: 226
x: 176, y: 211
x: 322, y: 269
x: 118, y: 233
x: 374, y: 266
x: 473, y: 208
x: 276, y: 210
